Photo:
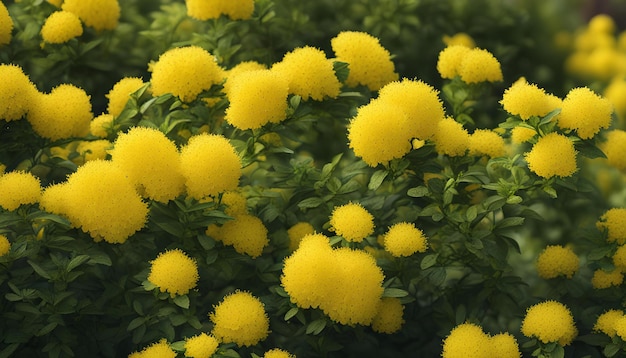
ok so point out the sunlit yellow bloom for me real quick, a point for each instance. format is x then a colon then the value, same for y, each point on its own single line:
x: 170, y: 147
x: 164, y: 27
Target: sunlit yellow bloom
x: 525, y: 100
x: 278, y: 353
x: 297, y: 232
x: 521, y: 134
x: 404, y: 239
x: 480, y: 66
x: 120, y: 94
x: 200, y: 346
x: 16, y: 92
x: 236, y: 203
x: 99, y: 14
x: 615, y: 148
x: 552, y: 155
x: 6, y: 25
x: 213, y: 9
x: 450, y: 59
x: 619, y: 258
x: 460, y: 38
x: 615, y: 92
x: 606, y: 322
x: 60, y: 27
x: 585, y: 111
x: 18, y: 188
x: 486, y: 142
x: 451, y: 138
x: 241, y: 67
x: 466, y: 340
x: 246, y: 233
x: 174, y: 272
x: 556, y: 260
x: 240, y: 318
x: 605, y: 279
x: 5, y: 245
x: 504, y: 345
x: 388, y: 319
x: 549, y: 321
x: 92, y: 150
x: 100, y: 125
x: 601, y: 23
x: 614, y: 222
x: 159, y: 349
x: 620, y: 327
x: 352, y: 222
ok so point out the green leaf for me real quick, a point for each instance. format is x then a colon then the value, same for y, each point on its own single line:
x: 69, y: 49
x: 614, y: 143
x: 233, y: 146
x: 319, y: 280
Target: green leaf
x: 12, y: 297
x: 395, y: 292
x: 342, y: 70
x: 429, y: 261
x: 181, y: 301
x: 40, y: 271
x: 610, y: 350
x: 309, y: 203
x: 178, y: 346
x: 377, y: 179
x: 77, y: 261
x: 135, y: 323
x: 510, y: 222
x: 47, y: 329
x: 177, y: 319
x: 99, y: 258
x: 292, y: 312
x: 418, y: 192
x: 316, y: 327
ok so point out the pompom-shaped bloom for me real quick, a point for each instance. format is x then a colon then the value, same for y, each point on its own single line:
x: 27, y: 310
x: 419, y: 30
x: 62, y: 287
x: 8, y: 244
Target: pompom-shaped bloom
x: 101, y: 200
x: 388, y: 319
x: 604, y: 279
x: 619, y: 258
x: 504, y: 345
x: 6, y: 25
x: 556, y: 260
x: 240, y: 68
x: 210, y: 165
x: 159, y: 349
x: 236, y: 203
x: 451, y: 138
x: 601, y: 23
x: 100, y: 125
x: 16, y: 92
x: 614, y: 222
x: 549, y: 321
x: 18, y: 188
x: 151, y: 161
x: 615, y: 92
x: 480, y: 66
x: 309, y: 73
x: 404, y: 239
x: 521, y: 134
x: 419, y: 101
x: 379, y: 133
x: 615, y: 149
x: 369, y: 63
x: 620, y: 327
x: 352, y: 222
x: 200, y: 346
x: 174, y: 272
x: 53, y: 199
x: 552, y: 155
x: 213, y: 9
x: 246, y: 233
x: 466, y: 340
x: 460, y: 39
x: 91, y: 150
x: 64, y: 113
x: 60, y: 27
x: 526, y: 100
x: 120, y: 94
x: 278, y: 353
x: 450, y: 59
x: 5, y: 245
x: 486, y: 142
x: 257, y: 98
x: 585, y: 111
x: 185, y: 72
x: 297, y: 232
x: 606, y: 322
x: 240, y: 318
x: 99, y: 14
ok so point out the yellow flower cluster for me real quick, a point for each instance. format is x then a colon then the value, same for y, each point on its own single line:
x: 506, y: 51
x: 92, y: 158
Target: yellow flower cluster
x: 241, y: 319
x: 404, y: 239
x: 585, y: 111
x: 257, y: 98
x: 317, y: 276
x: 460, y: 38
x: 185, y: 72
x: 120, y: 94
x: 550, y: 321
x: 614, y: 222
x: 16, y: 92
x: 160, y: 349
x: 5, y: 245
x: 238, y: 69
x: 486, y: 142
x: 352, y: 222
x: 468, y: 340
x: 615, y: 92
x: 18, y: 188
x: 6, y: 25
x: 602, y: 279
x: 451, y: 138
x: 236, y: 203
x: 389, y: 318
x: 100, y: 125
x: 553, y: 155
x: 151, y: 161
x: 278, y: 353
x: 521, y: 134
x: 614, y: 147
x: 246, y: 233
x: 472, y: 65
x: 525, y: 100
x: 297, y: 232
x: 368, y: 61
x: 99, y: 14
x: 174, y: 272
x: 213, y: 9
x: 210, y: 165
x: 556, y: 260
x: 60, y: 27
x: 201, y: 346
x: 619, y: 258
x: 91, y: 150
x: 606, y: 322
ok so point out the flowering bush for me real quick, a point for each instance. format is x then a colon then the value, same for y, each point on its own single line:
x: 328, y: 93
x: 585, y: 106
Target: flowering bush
x: 279, y: 178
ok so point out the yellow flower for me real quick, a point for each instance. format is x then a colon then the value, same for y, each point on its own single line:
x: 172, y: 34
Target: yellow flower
x: 213, y: 9
x: 56, y: 3
x: 64, y: 113
x: 521, y: 134
x: 297, y: 232
x: 585, y: 111
x: 450, y: 59
x: 99, y: 14
x: 99, y: 125
x: 614, y: 222
x: 486, y: 142
x: 200, y: 346
x: 466, y: 340
x: 236, y: 203
x: 185, y: 72
x: 504, y: 345
x: 91, y: 150
x: 120, y: 94
x: 369, y: 63
x: 159, y: 349
x: 460, y: 38
x: 552, y: 155
x: 620, y: 327
x: 53, y: 198
x: 556, y: 260
x: 257, y: 98
x: 619, y: 258
x: 174, y: 272
x: 526, y: 100
x: 101, y: 200
x: 18, y: 188
x: 549, y: 321
x: 615, y: 148
x: 604, y: 279
x: 5, y: 245
x: 419, y: 101
x: 278, y: 353
x: 352, y: 222
x: 379, y: 133
x: 309, y: 73
x: 151, y: 161
x: 404, y: 239
x: 601, y: 23
x: 6, y: 25
x: 210, y: 165
x: 60, y: 27
x: 388, y: 318
x: 246, y: 233
x: 451, y: 138
x: 240, y: 68
x: 240, y: 318
x: 480, y: 65
x: 606, y: 322
x: 615, y: 92
x: 16, y: 92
